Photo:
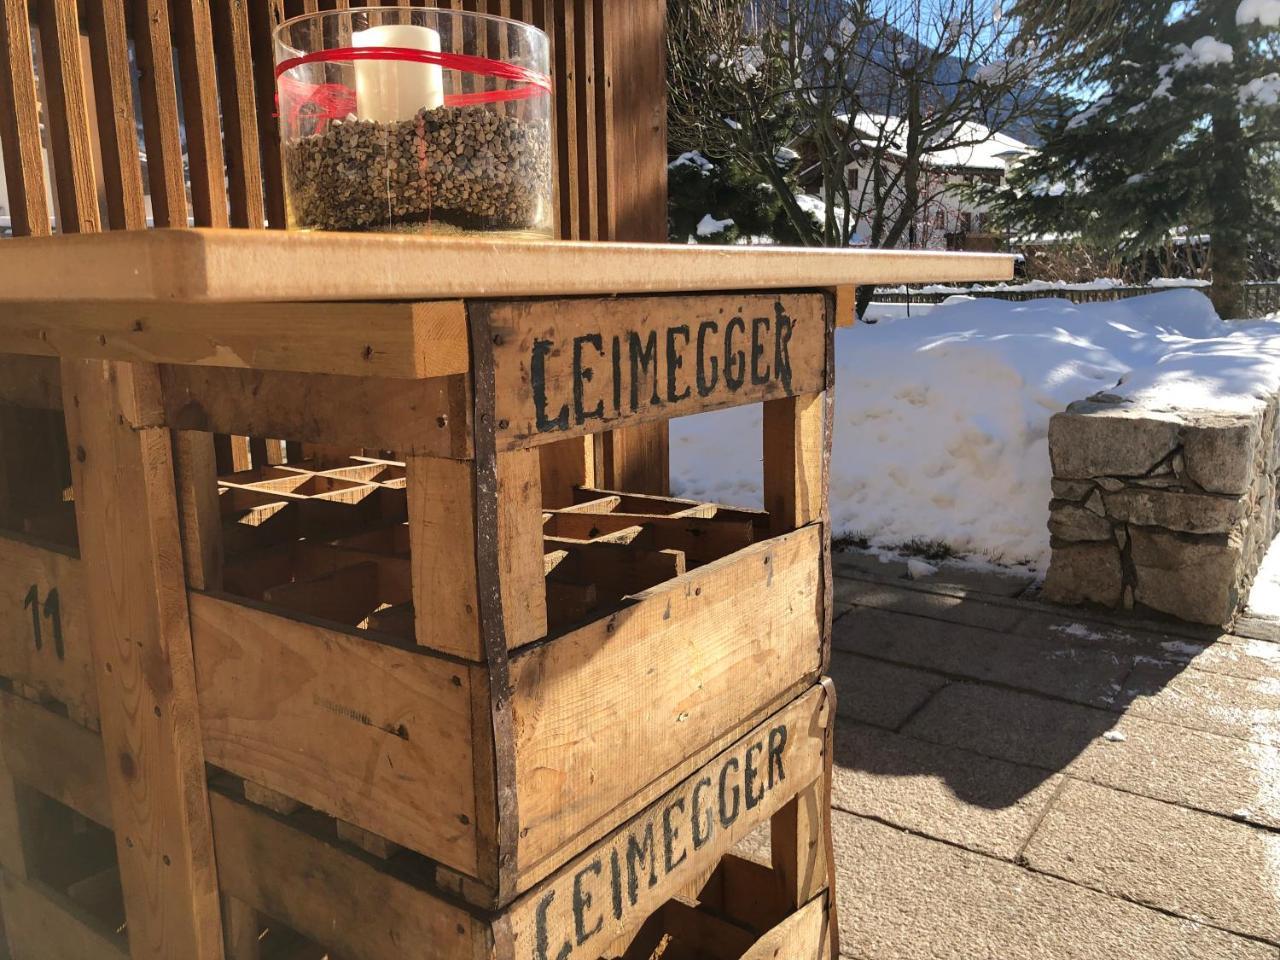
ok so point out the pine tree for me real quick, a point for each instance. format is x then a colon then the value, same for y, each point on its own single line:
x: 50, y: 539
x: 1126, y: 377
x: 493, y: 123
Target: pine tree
x: 1181, y: 132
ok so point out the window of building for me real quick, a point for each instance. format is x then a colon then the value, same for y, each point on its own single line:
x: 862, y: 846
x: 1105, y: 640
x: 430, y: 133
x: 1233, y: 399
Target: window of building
x: 966, y: 222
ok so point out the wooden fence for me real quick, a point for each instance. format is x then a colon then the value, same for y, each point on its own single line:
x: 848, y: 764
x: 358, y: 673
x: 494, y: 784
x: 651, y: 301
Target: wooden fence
x: 1261, y: 299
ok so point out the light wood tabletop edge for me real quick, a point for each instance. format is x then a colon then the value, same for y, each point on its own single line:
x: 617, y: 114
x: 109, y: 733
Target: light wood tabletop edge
x: 221, y: 265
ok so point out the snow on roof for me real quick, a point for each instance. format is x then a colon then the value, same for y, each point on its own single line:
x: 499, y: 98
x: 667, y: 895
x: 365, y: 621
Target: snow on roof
x: 971, y: 145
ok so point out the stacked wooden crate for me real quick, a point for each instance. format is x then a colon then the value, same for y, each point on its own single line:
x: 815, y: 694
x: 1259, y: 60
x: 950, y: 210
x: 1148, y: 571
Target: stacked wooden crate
x: 416, y: 690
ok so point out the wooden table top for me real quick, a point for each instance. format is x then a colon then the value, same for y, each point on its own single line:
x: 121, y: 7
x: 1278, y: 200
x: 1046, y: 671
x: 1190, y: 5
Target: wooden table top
x: 221, y: 266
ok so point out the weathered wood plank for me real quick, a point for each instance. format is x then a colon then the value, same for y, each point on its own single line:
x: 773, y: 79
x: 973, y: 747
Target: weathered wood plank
x: 140, y: 637
x: 153, y: 50
x: 564, y: 369
x: 403, y: 340
x: 427, y: 416
x: 806, y: 933
x: 20, y: 124
x: 39, y: 922
x: 367, y: 732
x: 606, y: 892
x: 67, y: 116
x: 246, y: 266
x: 442, y: 521
x: 32, y: 382
x: 117, y: 129
x: 520, y: 551
x: 55, y: 756
x: 44, y: 635
x: 234, y: 62
x: 193, y: 36
x: 747, y: 627
x: 795, y: 465
x: 264, y: 16
x: 329, y: 895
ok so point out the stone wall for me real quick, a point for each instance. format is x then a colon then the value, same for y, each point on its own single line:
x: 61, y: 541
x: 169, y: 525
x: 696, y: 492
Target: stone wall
x: 1160, y: 511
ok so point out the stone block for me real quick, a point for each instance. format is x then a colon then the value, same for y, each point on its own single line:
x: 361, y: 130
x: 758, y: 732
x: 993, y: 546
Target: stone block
x: 1076, y: 490
x: 1095, y: 440
x: 1191, y: 577
x: 1188, y: 512
x: 1069, y: 521
x: 1220, y: 451
x: 1084, y: 573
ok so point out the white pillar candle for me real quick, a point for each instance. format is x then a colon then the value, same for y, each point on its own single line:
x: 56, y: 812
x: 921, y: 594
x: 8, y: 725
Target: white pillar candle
x: 391, y: 90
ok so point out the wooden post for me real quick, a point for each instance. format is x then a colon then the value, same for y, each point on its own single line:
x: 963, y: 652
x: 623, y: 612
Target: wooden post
x: 126, y: 511
x: 794, y: 465
x: 633, y: 130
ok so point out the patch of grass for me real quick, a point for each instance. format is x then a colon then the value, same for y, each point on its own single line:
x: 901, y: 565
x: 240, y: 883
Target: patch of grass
x: 934, y: 551
x: 850, y: 541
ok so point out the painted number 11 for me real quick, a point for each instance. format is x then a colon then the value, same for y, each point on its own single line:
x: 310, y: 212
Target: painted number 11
x: 49, y: 611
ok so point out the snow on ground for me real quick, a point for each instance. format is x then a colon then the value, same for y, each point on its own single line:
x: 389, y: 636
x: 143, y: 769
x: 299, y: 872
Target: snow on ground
x: 942, y: 416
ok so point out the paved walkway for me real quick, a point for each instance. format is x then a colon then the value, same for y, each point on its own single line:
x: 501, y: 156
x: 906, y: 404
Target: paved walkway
x: 1012, y: 782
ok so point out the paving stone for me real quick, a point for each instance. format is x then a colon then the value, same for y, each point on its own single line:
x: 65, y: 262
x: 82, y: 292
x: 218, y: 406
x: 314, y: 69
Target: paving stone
x: 1192, y: 768
x: 1193, y: 864
x: 1009, y: 725
x: 952, y: 574
x: 924, y: 603
x: 996, y: 583
x: 860, y: 562
x: 903, y: 897
x: 1059, y: 669
x: 1235, y: 656
x: 881, y: 694
x: 1222, y: 775
x: 982, y: 804
x: 1216, y: 702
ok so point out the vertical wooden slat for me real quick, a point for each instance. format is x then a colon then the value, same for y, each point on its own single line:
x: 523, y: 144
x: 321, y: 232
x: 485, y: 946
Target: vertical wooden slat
x: 794, y: 464
x: 263, y: 16
x: 584, y: 106
x: 117, y: 128
x: 231, y: 453
x: 196, y: 482
x: 234, y: 59
x: 566, y: 114
x: 635, y: 195
x: 194, y: 37
x: 600, y: 110
x: 20, y: 123
x: 140, y: 636
x: 153, y: 50
x: 67, y: 121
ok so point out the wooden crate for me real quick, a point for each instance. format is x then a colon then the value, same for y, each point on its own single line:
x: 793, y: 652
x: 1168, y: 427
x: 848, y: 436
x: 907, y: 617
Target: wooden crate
x: 437, y: 662
x: 292, y: 872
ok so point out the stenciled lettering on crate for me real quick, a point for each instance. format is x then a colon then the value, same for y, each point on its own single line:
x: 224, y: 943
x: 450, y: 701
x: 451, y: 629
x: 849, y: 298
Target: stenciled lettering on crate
x: 568, y: 368
x: 598, y: 896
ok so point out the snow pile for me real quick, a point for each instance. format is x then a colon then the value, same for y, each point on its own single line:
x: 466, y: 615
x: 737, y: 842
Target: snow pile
x: 1264, y: 12
x: 1205, y: 52
x: 709, y: 226
x: 1264, y: 91
x: 942, y: 417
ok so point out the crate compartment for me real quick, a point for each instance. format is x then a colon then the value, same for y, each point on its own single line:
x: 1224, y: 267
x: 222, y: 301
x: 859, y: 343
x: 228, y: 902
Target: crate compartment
x: 318, y: 692
x: 713, y: 925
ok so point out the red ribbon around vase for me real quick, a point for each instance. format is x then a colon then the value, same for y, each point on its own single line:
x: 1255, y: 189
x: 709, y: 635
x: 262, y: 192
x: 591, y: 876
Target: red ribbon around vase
x: 323, y: 102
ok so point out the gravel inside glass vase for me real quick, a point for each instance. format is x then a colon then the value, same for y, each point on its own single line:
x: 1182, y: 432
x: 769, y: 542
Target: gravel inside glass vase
x: 463, y: 168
